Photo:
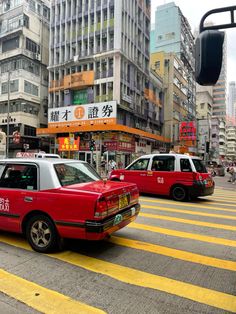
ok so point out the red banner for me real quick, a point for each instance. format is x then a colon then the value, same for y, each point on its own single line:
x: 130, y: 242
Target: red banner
x: 187, y: 131
x: 68, y: 144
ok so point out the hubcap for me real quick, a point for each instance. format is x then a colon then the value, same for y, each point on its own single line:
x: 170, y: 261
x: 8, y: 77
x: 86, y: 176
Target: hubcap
x: 40, y: 233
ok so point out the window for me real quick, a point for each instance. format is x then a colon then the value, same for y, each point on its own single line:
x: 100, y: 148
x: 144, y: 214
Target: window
x: 14, y: 86
x: 202, y: 105
x: 17, y: 176
x: 10, y: 44
x: 163, y: 163
x: 32, y: 46
x: 140, y: 164
x: 30, y: 88
x: 199, y: 166
x: 185, y: 165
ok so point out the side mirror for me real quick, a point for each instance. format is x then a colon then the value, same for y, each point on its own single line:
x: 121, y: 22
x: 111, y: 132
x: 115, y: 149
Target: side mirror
x: 208, y: 54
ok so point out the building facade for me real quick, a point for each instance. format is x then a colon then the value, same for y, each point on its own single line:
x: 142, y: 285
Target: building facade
x: 99, y: 70
x: 204, y: 102
x: 231, y: 142
x: 172, y: 36
x: 24, y: 37
x: 231, y: 100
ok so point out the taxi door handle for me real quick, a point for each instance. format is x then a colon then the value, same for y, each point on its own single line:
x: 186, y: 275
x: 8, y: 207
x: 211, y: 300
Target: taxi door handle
x: 28, y: 199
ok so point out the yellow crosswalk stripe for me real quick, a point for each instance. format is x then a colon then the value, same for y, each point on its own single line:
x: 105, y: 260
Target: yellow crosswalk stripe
x: 182, y: 234
x: 189, y: 212
x: 148, y: 200
x: 174, y: 253
x: 40, y: 298
x: 189, y: 221
x: 139, y: 278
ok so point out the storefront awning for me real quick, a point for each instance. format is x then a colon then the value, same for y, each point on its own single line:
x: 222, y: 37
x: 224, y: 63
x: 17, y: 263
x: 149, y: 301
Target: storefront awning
x: 101, y: 128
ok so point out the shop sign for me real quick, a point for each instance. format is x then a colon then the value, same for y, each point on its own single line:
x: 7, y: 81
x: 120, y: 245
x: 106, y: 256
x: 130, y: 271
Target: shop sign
x: 187, y: 130
x: 83, y: 115
x: 68, y: 144
x: 80, y: 97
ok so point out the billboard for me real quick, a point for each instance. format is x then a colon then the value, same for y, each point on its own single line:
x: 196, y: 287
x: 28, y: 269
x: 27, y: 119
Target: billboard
x: 83, y: 115
x: 187, y: 131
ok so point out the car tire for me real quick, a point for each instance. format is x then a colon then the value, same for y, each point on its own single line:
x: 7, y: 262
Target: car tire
x: 179, y: 193
x: 42, y: 235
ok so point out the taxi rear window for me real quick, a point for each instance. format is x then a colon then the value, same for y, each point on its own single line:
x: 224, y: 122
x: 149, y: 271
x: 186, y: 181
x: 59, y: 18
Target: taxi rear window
x: 199, y: 166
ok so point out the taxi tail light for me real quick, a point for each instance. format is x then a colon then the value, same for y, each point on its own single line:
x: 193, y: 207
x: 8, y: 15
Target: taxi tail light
x: 101, y: 209
x: 134, y: 195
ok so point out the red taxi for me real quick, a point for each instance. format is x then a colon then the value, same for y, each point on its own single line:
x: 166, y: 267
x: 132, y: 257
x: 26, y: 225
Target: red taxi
x: 51, y: 199
x: 175, y: 175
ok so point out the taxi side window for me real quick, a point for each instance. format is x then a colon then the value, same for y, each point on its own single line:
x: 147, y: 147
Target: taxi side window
x: 140, y: 164
x: 19, y: 177
x: 185, y: 165
x: 163, y: 163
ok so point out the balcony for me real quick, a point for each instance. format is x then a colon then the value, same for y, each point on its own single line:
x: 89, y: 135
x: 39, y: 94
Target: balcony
x: 73, y: 81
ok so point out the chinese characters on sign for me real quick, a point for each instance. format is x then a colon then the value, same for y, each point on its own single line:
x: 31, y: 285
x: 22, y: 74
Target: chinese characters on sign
x: 82, y: 115
x: 68, y: 144
x: 187, y: 131
x: 4, y: 204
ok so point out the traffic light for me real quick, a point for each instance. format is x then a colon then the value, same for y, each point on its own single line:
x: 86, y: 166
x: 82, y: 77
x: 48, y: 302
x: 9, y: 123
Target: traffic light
x: 92, y: 145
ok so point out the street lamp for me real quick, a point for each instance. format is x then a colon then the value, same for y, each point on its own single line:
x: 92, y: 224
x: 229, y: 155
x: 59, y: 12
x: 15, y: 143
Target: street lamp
x: 8, y: 115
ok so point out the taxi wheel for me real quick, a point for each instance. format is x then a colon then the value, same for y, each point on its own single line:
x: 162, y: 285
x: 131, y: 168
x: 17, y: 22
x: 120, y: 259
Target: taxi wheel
x: 179, y: 193
x: 42, y: 235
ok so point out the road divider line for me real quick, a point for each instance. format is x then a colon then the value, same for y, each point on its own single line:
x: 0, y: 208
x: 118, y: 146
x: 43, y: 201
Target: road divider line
x: 182, y: 234
x: 174, y: 253
x: 189, y: 221
x: 40, y: 298
x: 189, y: 212
x: 186, y: 205
x: 142, y: 279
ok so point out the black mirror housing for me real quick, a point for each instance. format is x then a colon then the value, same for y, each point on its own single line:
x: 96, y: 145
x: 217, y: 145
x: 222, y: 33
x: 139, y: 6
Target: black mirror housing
x: 208, y: 54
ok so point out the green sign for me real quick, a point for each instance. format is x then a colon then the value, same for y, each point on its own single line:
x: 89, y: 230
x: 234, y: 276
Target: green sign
x: 80, y: 97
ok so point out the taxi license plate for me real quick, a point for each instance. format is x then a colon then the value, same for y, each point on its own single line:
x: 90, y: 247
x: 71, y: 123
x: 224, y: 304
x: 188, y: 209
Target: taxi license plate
x: 123, y: 201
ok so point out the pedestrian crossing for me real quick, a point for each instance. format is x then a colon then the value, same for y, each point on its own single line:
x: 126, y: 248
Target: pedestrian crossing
x: 155, y: 253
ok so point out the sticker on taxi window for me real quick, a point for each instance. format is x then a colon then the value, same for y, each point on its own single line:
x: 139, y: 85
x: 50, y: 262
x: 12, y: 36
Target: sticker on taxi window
x: 4, y: 204
x: 160, y: 180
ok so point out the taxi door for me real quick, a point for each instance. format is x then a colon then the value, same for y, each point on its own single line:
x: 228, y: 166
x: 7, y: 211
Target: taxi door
x: 18, y: 194
x: 137, y: 173
x: 162, y: 174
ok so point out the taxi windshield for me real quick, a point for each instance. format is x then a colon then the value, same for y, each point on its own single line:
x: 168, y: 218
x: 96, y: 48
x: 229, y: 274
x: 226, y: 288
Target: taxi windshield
x: 199, y: 166
x: 74, y: 173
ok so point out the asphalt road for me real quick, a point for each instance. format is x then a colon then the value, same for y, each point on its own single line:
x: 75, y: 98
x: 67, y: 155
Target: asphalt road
x: 175, y: 258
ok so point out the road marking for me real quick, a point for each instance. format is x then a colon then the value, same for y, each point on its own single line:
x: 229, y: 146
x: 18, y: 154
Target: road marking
x: 40, y: 298
x: 142, y: 279
x: 182, y: 234
x: 189, y: 221
x: 185, y: 205
x: 174, y: 253
x: 189, y: 212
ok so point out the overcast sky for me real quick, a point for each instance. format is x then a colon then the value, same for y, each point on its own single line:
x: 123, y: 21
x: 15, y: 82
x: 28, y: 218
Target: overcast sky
x: 194, y: 10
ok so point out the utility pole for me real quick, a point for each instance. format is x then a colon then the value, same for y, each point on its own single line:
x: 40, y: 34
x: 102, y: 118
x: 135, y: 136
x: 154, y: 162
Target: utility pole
x: 8, y: 114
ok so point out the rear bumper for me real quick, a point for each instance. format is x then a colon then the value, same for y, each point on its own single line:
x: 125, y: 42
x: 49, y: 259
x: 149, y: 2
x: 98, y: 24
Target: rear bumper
x: 201, y: 190
x: 98, y: 230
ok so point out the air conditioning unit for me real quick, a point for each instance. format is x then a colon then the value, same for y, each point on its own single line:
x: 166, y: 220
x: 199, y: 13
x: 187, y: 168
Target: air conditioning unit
x: 76, y: 58
x: 36, y: 56
x: 137, y: 125
x: 104, y: 35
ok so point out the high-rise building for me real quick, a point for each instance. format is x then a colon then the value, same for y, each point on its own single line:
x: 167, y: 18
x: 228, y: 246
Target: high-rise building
x: 24, y: 37
x: 99, y: 77
x: 172, y: 36
x: 231, y: 100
